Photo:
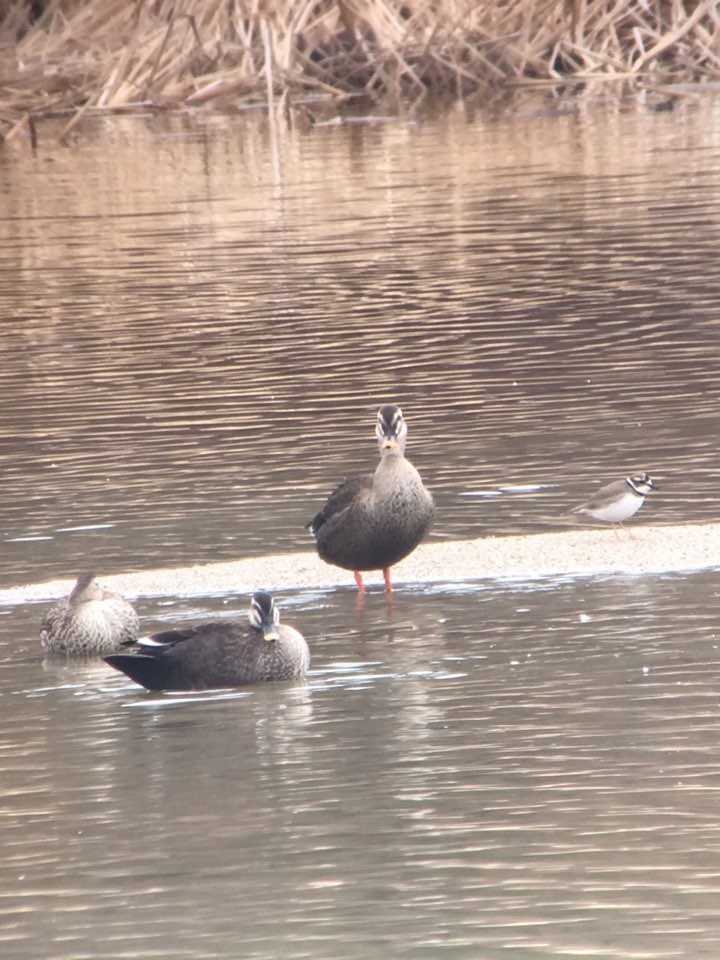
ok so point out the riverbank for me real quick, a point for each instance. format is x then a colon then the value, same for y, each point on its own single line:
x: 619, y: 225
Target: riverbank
x: 103, y: 56
x: 642, y: 550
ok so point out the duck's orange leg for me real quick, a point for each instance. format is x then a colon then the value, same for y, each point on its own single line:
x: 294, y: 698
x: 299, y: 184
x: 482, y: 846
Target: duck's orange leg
x: 386, y: 578
x: 358, y: 581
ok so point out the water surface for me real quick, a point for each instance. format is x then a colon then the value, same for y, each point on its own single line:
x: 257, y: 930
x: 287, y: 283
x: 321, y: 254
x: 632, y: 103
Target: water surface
x: 522, y: 769
x: 196, y: 344
x: 196, y: 338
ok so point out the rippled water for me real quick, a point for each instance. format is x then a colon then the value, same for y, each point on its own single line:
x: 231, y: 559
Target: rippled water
x: 195, y: 341
x: 194, y: 352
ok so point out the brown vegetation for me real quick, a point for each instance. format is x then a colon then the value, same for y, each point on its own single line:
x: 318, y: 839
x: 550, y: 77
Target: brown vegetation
x: 75, y: 55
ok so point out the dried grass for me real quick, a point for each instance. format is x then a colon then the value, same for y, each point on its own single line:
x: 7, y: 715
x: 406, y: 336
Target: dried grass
x: 99, y: 55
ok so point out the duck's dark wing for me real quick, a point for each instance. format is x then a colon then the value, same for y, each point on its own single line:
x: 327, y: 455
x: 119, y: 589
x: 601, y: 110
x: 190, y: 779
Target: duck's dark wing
x: 193, y: 658
x: 342, y: 497
x: 227, y: 658
x: 147, y: 670
x: 168, y: 638
x: 152, y: 662
x: 157, y: 642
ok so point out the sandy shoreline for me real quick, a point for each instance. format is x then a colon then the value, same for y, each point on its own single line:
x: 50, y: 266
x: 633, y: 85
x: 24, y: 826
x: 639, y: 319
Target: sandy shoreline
x: 649, y: 549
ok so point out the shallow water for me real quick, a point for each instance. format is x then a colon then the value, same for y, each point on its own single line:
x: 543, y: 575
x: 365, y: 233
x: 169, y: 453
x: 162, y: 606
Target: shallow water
x: 523, y: 768
x: 196, y: 338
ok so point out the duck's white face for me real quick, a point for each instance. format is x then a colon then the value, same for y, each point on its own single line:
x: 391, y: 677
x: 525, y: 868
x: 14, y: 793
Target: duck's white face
x: 391, y: 429
x: 264, y: 615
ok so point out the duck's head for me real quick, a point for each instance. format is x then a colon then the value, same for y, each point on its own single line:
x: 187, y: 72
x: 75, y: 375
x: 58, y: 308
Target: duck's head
x: 391, y: 429
x: 86, y: 588
x: 264, y: 615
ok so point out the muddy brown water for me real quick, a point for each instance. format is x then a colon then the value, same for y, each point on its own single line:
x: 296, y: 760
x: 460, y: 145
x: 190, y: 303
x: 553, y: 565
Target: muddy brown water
x: 196, y: 334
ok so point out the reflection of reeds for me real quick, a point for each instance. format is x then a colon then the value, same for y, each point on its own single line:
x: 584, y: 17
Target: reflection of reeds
x: 64, y: 55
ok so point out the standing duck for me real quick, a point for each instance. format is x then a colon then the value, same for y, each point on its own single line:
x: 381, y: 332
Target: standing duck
x: 618, y: 501
x: 91, y: 621
x: 221, y: 653
x: 371, y: 521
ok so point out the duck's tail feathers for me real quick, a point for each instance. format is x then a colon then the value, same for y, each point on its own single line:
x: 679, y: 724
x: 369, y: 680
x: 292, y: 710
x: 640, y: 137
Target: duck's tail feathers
x: 149, y: 672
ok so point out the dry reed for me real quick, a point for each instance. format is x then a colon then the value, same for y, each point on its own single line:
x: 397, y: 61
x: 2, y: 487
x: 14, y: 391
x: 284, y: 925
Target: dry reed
x: 74, y: 56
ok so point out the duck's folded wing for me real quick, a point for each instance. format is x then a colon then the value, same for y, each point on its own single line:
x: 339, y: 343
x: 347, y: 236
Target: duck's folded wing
x: 170, y: 638
x: 342, y: 497
x: 167, y: 638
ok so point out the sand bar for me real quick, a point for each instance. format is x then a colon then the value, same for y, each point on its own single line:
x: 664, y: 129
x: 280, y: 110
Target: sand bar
x: 647, y: 549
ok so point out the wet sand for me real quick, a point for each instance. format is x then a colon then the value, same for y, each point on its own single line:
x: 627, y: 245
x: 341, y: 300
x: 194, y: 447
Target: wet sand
x: 644, y: 549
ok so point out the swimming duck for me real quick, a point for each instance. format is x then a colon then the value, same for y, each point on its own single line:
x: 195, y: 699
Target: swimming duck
x: 371, y: 521
x: 221, y: 653
x: 90, y: 621
x: 618, y: 501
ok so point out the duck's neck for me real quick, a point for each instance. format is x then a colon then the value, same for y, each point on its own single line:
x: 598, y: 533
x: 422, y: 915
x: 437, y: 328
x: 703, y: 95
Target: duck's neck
x: 391, y: 460
x: 392, y: 471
